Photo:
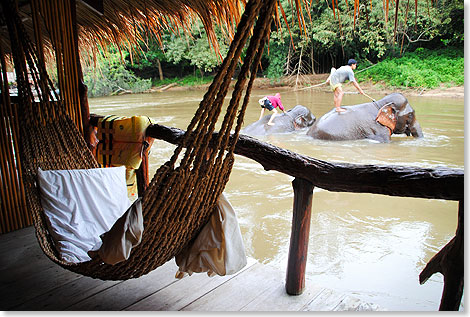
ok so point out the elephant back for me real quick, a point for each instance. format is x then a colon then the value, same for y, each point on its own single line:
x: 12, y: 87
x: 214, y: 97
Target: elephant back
x: 353, y: 124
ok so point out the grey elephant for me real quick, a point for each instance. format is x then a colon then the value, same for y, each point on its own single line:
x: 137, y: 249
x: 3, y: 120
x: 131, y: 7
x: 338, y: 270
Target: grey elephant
x: 376, y: 120
x: 297, y: 118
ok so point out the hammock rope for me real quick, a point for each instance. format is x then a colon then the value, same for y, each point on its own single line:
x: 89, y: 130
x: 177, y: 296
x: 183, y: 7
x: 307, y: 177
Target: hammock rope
x: 184, y: 190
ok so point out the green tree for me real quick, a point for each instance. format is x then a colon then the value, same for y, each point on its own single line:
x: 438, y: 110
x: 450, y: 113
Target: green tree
x: 277, y: 54
x: 148, y: 63
x: 194, y: 49
x: 111, y: 75
x: 364, y: 34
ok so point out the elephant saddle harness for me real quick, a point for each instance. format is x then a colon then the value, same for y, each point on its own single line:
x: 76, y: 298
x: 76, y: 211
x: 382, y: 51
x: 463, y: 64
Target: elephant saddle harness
x: 387, y: 117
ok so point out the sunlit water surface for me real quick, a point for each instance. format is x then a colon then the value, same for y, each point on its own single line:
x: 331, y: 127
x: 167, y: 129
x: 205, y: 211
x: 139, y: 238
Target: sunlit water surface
x: 369, y: 246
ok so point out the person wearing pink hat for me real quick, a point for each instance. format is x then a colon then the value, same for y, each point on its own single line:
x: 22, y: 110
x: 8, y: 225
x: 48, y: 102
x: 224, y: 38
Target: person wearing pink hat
x: 271, y: 103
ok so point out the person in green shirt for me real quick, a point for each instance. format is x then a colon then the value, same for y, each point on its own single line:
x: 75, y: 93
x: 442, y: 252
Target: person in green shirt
x: 338, y: 77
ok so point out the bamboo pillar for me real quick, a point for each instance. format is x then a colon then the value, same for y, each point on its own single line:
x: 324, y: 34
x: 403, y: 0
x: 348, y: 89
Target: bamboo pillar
x: 58, y: 17
x: 297, y: 259
x: 13, y: 214
x: 82, y: 88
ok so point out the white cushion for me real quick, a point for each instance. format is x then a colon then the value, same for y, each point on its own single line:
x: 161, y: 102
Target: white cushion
x: 80, y: 205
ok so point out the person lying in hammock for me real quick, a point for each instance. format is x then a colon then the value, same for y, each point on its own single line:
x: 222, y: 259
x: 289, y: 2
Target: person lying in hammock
x: 271, y: 103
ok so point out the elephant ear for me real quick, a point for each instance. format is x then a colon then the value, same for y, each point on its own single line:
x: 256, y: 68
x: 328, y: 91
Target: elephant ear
x: 299, y: 122
x: 387, y: 117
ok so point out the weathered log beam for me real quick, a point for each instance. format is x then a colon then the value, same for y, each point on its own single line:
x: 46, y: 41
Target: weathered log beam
x: 450, y: 263
x: 437, y: 183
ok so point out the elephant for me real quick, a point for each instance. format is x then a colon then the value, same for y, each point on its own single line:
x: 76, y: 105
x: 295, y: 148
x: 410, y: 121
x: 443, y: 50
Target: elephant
x: 376, y: 120
x: 294, y: 119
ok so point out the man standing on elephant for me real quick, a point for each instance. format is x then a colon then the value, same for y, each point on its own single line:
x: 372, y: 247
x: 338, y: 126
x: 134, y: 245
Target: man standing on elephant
x: 338, y: 77
x: 271, y: 103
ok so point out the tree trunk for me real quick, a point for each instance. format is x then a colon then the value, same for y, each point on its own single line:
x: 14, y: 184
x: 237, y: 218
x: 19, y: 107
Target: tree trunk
x: 312, y: 60
x: 298, y: 68
x: 287, y: 72
x: 160, y: 71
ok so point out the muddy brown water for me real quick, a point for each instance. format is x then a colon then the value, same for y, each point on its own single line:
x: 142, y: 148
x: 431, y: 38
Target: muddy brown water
x: 369, y: 246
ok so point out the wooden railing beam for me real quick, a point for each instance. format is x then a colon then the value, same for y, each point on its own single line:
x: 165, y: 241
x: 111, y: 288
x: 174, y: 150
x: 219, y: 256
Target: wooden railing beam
x: 435, y: 183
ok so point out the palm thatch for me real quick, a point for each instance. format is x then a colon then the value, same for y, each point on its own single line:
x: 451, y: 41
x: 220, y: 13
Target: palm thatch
x: 125, y: 23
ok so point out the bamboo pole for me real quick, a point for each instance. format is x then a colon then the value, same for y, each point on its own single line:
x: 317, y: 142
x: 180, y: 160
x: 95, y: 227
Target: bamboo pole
x: 16, y: 135
x: 13, y: 191
x: 68, y: 72
x: 9, y: 174
x: 82, y: 88
x: 6, y: 158
x: 38, y: 36
x: 51, y: 20
x: 40, y: 48
x: 12, y: 167
x: 74, y: 63
x: 5, y: 206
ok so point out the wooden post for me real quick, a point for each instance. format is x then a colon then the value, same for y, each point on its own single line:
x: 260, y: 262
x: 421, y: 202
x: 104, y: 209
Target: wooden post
x: 297, y: 260
x: 142, y: 172
x: 449, y: 261
x: 453, y: 268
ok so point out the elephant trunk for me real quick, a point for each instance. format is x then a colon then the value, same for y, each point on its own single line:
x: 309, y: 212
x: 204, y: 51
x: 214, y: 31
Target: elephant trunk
x: 416, y: 131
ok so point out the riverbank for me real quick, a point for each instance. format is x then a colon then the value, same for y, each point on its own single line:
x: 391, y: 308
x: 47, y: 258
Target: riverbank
x: 314, y: 82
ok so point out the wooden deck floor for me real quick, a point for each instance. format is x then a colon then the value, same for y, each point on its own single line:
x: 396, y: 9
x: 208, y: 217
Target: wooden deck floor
x: 30, y: 281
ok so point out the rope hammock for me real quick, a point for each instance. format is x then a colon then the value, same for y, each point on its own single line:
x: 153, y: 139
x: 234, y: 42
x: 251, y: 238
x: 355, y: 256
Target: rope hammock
x: 181, y: 196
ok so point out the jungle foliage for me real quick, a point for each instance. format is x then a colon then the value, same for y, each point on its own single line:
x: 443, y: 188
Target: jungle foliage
x: 332, y: 37
x: 111, y: 75
x: 424, y: 35
x: 423, y: 68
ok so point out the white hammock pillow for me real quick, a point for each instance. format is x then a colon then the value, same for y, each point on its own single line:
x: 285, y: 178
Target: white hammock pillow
x: 80, y: 205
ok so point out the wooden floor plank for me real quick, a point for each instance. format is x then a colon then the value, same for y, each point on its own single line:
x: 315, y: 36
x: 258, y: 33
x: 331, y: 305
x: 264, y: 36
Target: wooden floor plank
x: 66, y: 295
x: 237, y: 292
x: 16, y: 236
x: 327, y: 300
x: 34, y: 285
x: 349, y: 303
x: 183, y: 292
x: 30, y: 281
x: 21, y: 247
x: 25, y: 271
x: 126, y: 293
x: 22, y: 264
x: 277, y: 299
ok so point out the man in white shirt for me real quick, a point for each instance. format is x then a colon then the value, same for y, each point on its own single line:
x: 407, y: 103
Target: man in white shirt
x: 338, y: 77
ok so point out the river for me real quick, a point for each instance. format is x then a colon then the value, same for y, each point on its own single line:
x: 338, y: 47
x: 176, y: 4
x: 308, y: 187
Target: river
x: 370, y: 246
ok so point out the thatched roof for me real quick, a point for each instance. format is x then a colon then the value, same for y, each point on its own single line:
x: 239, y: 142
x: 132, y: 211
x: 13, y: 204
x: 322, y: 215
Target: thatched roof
x: 103, y: 22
